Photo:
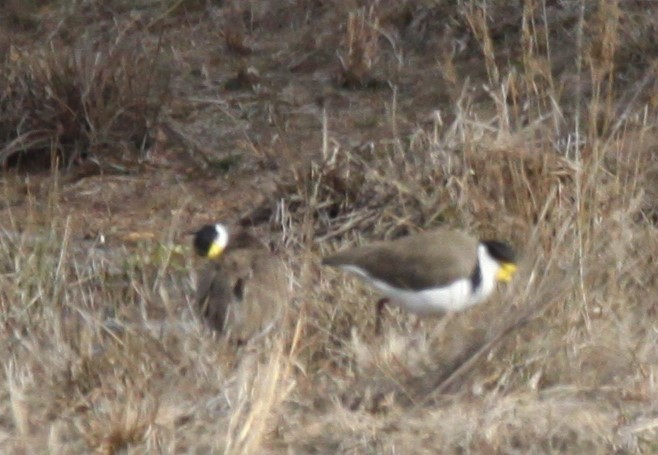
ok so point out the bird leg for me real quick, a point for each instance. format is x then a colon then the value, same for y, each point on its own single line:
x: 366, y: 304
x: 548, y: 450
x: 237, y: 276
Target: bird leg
x: 378, y: 317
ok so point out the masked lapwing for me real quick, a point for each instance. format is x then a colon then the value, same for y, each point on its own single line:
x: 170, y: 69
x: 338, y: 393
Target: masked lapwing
x: 242, y: 290
x: 431, y: 273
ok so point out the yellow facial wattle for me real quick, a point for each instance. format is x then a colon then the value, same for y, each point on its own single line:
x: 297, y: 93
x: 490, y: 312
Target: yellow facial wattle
x: 215, y: 250
x: 506, y: 272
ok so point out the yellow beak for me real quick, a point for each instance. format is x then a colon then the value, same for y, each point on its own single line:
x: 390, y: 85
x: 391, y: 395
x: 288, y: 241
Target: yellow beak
x: 215, y: 251
x: 506, y: 272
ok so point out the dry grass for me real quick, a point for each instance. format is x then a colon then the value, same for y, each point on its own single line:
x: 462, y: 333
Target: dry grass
x: 361, y: 48
x: 101, y: 348
x: 97, y: 98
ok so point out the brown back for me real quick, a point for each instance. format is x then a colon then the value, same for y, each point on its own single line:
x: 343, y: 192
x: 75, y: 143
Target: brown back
x: 415, y: 262
x: 242, y: 293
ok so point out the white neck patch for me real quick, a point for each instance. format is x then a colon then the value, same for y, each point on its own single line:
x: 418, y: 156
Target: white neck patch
x: 221, y: 238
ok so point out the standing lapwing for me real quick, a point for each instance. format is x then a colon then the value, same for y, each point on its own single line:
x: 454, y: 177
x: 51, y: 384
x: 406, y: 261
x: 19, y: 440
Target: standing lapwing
x: 430, y: 273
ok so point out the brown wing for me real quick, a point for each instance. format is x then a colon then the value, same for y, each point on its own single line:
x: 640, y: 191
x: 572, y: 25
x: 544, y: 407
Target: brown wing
x: 265, y: 294
x: 243, y: 293
x: 416, y: 262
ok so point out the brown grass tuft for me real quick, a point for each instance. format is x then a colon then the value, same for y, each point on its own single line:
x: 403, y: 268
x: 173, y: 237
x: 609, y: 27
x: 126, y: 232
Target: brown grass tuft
x: 60, y: 106
x: 360, y: 48
x: 118, y: 426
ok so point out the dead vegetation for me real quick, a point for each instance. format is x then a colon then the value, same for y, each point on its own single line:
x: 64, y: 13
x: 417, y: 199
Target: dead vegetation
x: 65, y: 103
x: 533, y: 123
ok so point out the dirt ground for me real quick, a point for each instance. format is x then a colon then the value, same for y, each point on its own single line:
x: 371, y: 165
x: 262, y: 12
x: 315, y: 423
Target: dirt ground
x: 321, y: 124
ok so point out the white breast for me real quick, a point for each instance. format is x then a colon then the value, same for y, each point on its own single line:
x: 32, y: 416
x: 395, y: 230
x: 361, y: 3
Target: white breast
x: 457, y: 296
